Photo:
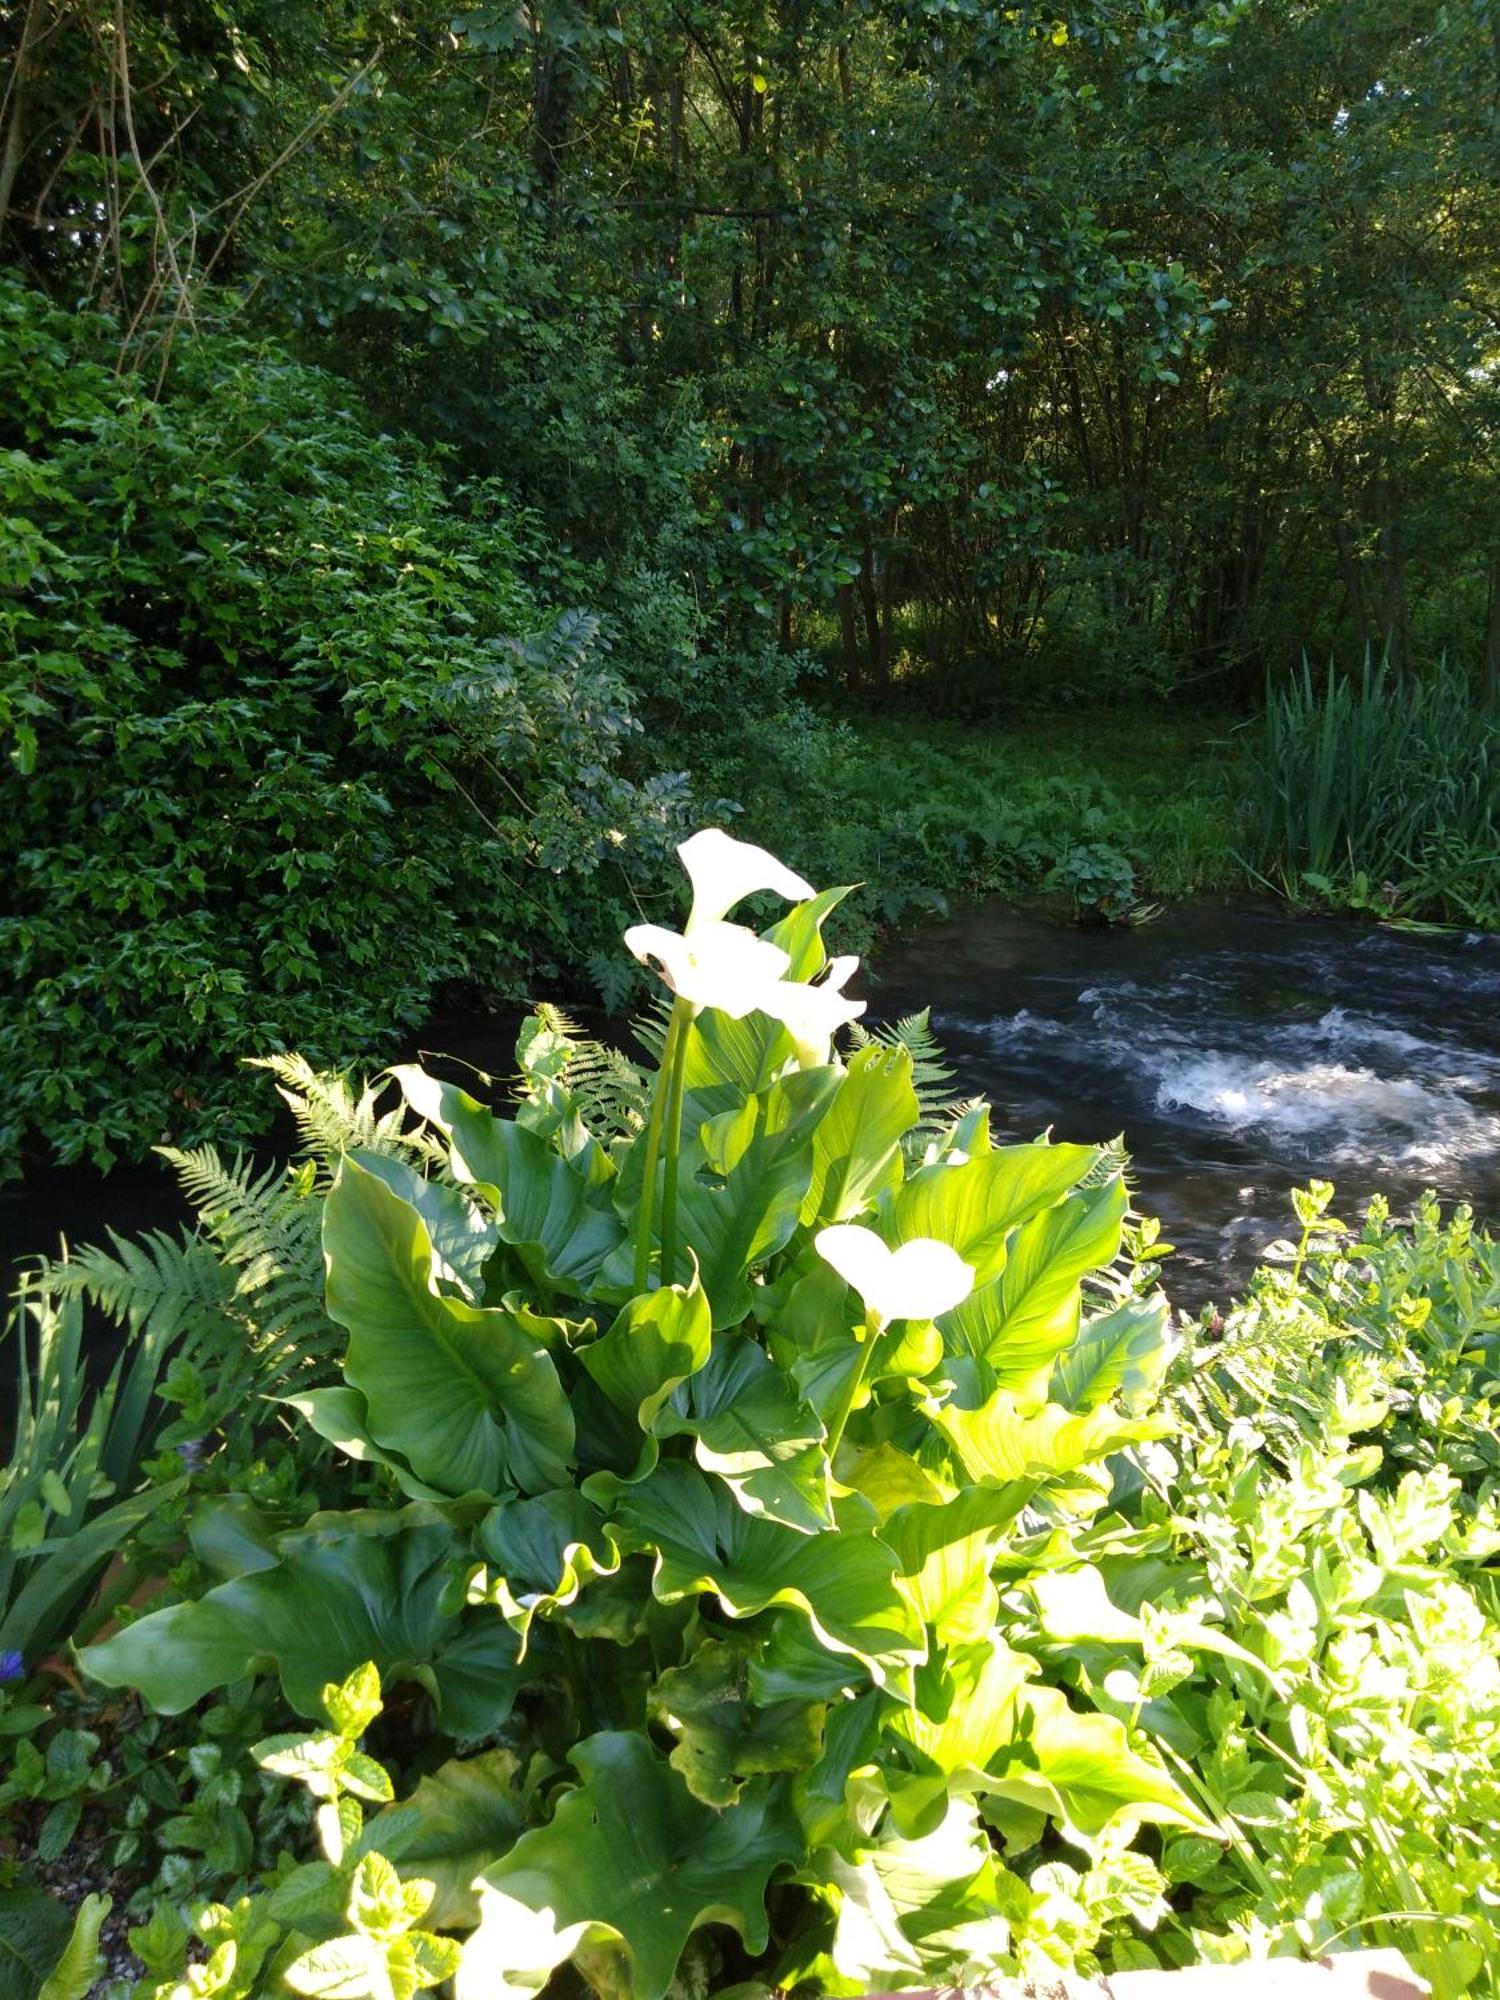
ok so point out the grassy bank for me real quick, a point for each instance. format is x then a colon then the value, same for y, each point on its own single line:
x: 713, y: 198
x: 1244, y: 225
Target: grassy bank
x: 1105, y: 810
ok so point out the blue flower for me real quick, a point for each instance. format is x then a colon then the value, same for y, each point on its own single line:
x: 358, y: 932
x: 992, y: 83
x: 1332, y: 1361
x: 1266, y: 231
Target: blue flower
x: 191, y: 1454
x: 12, y: 1665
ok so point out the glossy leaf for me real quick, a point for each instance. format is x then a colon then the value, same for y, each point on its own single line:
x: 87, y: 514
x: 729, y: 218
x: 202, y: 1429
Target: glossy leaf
x: 350, y: 1589
x: 725, y: 1738
x: 545, y: 1210
x: 845, y: 1583
x: 463, y: 1393
x: 630, y: 1862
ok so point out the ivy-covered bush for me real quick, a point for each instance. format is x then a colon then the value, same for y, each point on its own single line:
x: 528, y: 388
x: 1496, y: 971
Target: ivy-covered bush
x: 290, y: 740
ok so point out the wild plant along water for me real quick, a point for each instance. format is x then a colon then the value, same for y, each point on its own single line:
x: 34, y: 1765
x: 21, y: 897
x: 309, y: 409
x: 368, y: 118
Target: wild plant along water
x: 701, y: 1433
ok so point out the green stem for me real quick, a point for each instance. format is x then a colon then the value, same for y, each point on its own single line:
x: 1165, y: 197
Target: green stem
x: 852, y: 1387
x: 671, y: 1062
x: 674, y: 1146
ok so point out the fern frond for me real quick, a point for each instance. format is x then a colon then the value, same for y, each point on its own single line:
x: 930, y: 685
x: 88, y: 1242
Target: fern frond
x: 579, y: 1073
x: 166, y: 1288
x: 266, y: 1229
x: 930, y: 1073
x: 335, y: 1115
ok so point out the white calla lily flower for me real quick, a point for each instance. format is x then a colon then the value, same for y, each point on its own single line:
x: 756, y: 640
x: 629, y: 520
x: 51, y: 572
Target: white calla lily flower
x: 712, y: 964
x: 921, y: 1280
x: 723, y: 871
x: 813, y: 1014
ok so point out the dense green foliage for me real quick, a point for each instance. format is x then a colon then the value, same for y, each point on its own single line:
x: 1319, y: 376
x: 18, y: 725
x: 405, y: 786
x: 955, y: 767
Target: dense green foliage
x: 885, y: 1648
x: 1384, y: 795
x: 433, y: 445
x: 280, y: 702
x: 1137, y: 340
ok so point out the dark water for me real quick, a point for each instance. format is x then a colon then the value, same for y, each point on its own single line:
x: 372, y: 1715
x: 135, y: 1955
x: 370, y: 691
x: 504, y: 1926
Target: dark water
x: 1241, y: 1051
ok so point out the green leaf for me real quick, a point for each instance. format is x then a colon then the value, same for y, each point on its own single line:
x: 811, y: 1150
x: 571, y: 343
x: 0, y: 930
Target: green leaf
x: 546, y: 1550
x: 632, y: 1862
x: 1121, y: 1353
x: 1081, y: 1768
x: 962, y: 1712
x: 544, y: 1209
x: 339, y: 1416
x: 346, y: 1590
x: 857, y: 1145
x: 77, y: 1971
x: 751, y: 1215
x: 460, y: 1819
x: 1025, y: 1316
x: 463, y: 1393
x: 658, y: 1340
x: 753, y: 1430
x: 946, y: 1552
x: 845, y: 1583
x: 35, y: 1936
x: 353, y: 1703
x: 1000, y: 1441
x: 976, y: 1205
x: 723, y: 1737
x: 463, y: 1238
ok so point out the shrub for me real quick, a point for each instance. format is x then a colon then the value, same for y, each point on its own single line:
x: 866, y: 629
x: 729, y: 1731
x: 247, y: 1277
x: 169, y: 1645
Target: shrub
x: 292, y: 742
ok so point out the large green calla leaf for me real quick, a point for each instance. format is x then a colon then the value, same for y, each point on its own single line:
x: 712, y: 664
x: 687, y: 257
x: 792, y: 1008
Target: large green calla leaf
x: 1082, y: 1768
x: 460, y: 1819
x: 963, y: 1713
x: 337, y: 1414
x: 723, y: 1737
x: 845, y: 1583
x: 545, y: 1551
x: 946, y: 1552
x: 1023, y: 1318
x: 857, y: 1146
x: 348, y: 1589
x: 1121, y: 1353
x: 739, y: 1222
x: 463, y: 1238
x: 999, y: 1441
x: 464, y: 1394
x: 658, y: 1340
x: 630, y: 1863
x: 975, y: 1206
x: 754, y: 1431
x: 555, y: 1221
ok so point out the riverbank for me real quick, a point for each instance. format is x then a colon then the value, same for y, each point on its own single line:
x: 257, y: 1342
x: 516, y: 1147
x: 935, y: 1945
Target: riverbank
x: 1105, y: 810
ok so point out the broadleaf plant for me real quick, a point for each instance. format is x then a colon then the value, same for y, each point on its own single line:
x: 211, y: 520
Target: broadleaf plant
x: 706, y: 1451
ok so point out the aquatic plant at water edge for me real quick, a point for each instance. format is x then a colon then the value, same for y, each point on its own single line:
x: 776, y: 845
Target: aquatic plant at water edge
x: 701, y: 1434
x: 1383, y: 791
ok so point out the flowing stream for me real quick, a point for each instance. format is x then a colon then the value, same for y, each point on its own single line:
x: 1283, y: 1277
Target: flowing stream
x: 1241, y: 1051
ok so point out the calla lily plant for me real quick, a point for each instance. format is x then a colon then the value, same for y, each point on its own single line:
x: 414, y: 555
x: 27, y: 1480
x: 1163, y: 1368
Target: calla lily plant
x: 713, y: 963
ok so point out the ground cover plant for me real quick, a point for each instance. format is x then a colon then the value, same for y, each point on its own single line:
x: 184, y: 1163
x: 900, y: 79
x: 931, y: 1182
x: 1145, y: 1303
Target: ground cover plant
x: 730, y: 1473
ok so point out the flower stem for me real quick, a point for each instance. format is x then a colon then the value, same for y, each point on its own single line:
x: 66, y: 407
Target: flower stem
x: 674, y: 1146
x: 671, y: 1063
x: 868, y: 1336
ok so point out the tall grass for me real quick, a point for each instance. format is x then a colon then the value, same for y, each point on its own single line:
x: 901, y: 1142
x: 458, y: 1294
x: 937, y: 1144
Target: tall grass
x: 1387, y: 783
